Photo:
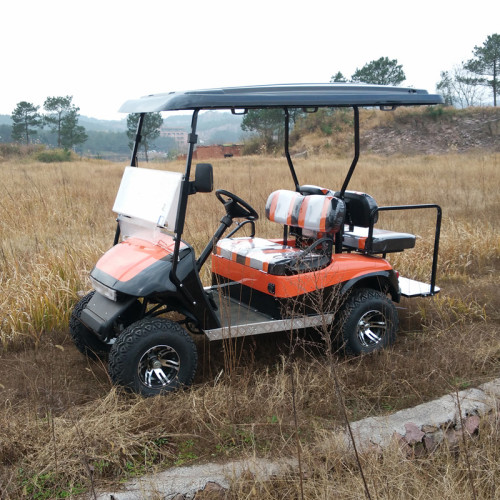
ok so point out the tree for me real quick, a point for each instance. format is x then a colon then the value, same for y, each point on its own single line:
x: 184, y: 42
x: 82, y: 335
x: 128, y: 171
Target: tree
x: 56, y: 107
x: 338, y: 78
x: 380, y: 72
x: 459, y: 87
x: 71, y: 134
x: 486, y: 64
x: 150, y: 129
x: 24, y: 118
x: 63, y: 118
x: 268, y: 123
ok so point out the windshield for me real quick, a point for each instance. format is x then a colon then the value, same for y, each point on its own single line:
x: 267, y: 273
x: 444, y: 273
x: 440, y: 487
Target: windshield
x: 147, y: 202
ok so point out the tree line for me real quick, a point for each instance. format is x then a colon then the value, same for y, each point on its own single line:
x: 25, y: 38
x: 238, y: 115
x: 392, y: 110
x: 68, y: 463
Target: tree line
x: 462, y: 86
x: 61, y: 117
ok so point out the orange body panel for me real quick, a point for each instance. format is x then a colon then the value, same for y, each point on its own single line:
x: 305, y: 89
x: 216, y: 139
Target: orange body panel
x: 131, y: 256
x: 342, y: 268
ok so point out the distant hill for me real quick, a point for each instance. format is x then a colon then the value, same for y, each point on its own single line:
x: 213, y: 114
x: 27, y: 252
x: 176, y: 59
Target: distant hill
x: 408, y: 131
x: 214, y: 127
x: 88, y: 123
x: 102, y: 125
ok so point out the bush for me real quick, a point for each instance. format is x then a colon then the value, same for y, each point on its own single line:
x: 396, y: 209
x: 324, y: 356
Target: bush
x: 324, y: 122
x: 439, y: 112
x: 53, y: 155
x: 10, y: 150
x: 257, y: 144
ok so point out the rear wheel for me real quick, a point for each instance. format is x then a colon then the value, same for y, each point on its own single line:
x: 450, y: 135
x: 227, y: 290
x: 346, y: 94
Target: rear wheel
x: 153, y: 356
x: 368, y: 321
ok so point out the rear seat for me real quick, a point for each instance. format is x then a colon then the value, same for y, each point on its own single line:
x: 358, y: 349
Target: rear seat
x: 359, y: 209
x: 383, y: 241
x: 318, y: 216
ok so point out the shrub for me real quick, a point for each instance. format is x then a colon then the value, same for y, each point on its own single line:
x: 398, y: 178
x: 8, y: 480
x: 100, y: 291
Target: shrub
x: 440, y: 112
x: 54, y: 155
x: 10, y: 150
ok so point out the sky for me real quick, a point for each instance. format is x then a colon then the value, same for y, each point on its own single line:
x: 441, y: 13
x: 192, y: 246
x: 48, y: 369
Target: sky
x: 105, y: 52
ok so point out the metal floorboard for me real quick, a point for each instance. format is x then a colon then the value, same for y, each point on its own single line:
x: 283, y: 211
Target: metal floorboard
x: 233, y: 313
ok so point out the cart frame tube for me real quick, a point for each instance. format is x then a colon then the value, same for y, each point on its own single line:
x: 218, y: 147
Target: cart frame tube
x: 437, y: 233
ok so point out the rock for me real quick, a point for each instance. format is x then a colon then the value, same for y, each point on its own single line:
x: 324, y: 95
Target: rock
x: 430, y: 443
x: 413, y: 434
x: 472, y: 424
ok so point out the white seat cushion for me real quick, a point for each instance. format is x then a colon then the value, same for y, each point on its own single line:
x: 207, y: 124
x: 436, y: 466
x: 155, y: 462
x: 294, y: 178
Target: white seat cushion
x: 318, y: 213
x: 269, y: 256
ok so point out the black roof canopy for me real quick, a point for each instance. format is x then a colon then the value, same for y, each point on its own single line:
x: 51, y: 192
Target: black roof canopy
x: 278, y: 96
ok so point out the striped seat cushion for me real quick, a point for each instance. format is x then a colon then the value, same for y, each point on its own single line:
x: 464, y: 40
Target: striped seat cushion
x: 268, y: 256
x: 316, y: 214
x: 323, y: 214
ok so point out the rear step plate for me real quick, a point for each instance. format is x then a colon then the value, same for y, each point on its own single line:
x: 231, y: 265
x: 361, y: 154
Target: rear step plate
x: 412, y: 288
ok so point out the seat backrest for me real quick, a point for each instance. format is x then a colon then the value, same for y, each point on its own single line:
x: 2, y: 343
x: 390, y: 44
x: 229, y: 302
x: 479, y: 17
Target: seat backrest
x: 318, y: 213
x: 358, y: 208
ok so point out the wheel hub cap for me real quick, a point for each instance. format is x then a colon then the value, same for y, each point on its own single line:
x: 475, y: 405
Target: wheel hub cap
x: 159, y: 366
x: 371, y: 328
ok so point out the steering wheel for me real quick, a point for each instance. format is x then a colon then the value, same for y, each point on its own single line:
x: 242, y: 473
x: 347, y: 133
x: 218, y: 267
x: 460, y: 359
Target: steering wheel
x: 235, y: 206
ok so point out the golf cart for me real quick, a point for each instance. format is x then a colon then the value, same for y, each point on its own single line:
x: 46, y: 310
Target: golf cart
x: 326, y: 243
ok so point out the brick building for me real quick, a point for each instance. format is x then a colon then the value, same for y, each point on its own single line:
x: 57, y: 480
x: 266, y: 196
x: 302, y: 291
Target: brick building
x: 177, y: 134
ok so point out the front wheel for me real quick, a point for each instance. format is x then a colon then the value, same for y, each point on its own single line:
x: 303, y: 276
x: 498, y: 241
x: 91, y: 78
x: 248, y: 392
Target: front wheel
x: 153, y: 356
x: 368, y: 321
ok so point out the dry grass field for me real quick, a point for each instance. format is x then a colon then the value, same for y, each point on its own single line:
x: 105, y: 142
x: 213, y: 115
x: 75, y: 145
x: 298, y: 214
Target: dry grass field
x: 64, y: 430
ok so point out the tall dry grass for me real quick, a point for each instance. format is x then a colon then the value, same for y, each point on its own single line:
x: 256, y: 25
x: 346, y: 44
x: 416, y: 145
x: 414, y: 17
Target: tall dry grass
x: 57, y: 220
x: 63, y: 429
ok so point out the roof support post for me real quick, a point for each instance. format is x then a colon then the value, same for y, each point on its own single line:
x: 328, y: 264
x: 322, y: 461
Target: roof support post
x: 356, y: 152
x: 138, y: 137
x: 287, y: 152
x: 183, y: 199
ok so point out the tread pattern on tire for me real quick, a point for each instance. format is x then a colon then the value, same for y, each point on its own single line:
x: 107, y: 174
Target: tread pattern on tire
x: 122, y: 351
x: 357, y: 298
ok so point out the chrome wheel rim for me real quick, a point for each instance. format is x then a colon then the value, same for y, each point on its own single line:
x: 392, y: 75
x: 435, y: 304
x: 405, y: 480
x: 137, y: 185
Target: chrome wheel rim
x: 159, y: 367
x: 371, y: 329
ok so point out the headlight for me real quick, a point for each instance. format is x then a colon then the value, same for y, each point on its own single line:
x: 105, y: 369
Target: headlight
x: 109, y: 293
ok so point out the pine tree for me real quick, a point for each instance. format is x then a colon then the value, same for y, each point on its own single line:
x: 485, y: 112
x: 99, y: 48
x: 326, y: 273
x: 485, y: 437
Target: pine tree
x: 57, y: 108
x: 486, y: 64
x: 72, y: 134
x: 150, y: 129
x: 380, y: 72
x: 24, y: 118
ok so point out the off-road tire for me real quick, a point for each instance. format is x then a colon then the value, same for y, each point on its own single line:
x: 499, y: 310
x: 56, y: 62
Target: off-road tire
x: 83, y: 338
x: 153, y: 356
x: 368, y: 322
